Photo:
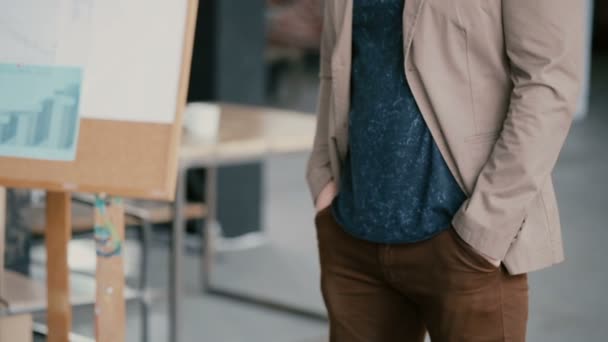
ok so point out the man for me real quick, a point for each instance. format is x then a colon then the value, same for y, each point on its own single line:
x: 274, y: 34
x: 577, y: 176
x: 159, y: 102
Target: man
x: 439, y: 125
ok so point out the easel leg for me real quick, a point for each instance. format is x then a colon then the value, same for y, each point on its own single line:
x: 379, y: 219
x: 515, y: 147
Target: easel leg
x: 109, y: 237
x: 3, y: 219
x: 59, y: 231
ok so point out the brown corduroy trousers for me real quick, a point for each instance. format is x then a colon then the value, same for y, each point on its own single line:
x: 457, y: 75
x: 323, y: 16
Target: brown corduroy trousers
x: 398, y: 293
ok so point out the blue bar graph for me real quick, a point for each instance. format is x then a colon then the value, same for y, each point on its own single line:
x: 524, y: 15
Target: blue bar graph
x: 39, y: 116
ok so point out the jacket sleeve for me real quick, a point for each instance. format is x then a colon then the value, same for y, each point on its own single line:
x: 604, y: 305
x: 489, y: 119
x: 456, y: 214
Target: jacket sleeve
x: 318, y: 172
x: 544, y: 44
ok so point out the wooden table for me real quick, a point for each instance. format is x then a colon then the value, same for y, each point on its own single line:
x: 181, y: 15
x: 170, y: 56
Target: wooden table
x: 250, y: 133
x: 245, y: 134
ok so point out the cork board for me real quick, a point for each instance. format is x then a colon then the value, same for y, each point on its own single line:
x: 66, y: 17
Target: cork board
x: 117, y: 154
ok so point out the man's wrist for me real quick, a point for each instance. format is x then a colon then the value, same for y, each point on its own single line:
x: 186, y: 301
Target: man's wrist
x: 493, y: 261
x: 326, y: 196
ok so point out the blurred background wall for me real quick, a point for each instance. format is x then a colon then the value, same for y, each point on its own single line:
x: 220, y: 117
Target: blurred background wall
x: 600, y: 37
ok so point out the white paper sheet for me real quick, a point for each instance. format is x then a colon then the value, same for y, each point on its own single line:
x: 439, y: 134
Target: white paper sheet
x: 130, y: 50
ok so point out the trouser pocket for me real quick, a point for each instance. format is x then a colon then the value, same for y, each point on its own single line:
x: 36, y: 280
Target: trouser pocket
x: 455, y: 254
x: 471, y: 252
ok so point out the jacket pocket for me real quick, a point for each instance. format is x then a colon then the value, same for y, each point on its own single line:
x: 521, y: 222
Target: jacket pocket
x: 455, y: 256
x: 475, y: 259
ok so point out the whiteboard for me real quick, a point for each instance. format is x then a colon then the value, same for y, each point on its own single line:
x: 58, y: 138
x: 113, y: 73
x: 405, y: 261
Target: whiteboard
x: 130, y: 51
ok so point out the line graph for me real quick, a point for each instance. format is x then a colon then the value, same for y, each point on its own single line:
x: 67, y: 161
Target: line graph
x: 29, y: 42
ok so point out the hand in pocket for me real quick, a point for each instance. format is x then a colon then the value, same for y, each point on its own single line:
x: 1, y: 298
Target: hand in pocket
x: 326, y: 196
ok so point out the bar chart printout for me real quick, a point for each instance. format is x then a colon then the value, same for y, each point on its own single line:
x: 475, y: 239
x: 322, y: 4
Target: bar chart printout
x: 39, y: 111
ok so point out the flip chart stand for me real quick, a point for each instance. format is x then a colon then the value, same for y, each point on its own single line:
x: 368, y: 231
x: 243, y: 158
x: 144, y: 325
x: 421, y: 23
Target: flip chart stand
x: 110, y: 316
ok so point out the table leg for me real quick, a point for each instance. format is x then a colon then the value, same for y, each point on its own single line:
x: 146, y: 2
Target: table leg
x: 175, y: 271
x: 208, y: 253
x: 59, y: 230
x: 146, y: 244
x: 208, y: 231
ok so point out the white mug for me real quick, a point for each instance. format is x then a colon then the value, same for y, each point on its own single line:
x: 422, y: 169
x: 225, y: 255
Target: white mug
x: 202, y: 120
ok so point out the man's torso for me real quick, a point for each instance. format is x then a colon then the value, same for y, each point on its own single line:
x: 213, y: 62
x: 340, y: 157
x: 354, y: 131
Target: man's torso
x: 459, y: 74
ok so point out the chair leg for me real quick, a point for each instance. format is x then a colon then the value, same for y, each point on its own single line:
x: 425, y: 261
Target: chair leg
x: 146, y: 240
x: 145, y: 319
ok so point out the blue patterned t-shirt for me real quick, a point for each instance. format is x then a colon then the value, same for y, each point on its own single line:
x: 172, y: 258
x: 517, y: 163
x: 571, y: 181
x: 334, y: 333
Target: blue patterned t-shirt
x: 396, y: 186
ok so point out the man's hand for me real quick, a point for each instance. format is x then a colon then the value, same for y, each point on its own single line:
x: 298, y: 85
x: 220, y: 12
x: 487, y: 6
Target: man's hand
x: 326, y: 196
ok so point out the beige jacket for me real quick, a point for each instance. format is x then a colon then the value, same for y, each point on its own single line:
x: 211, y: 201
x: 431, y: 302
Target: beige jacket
x: 497, y: 82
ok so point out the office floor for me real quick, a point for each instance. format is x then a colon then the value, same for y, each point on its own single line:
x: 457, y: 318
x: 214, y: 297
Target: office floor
x: 568, y: 302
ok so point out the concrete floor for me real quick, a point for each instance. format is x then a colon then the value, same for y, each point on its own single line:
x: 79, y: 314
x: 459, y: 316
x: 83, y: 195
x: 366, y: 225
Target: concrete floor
x: 568, y: 302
